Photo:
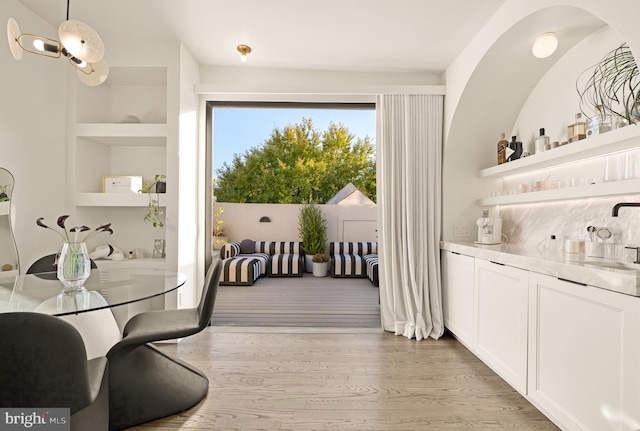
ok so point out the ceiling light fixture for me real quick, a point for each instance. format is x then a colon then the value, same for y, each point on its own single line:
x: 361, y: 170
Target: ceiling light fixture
x: 79, y: 43
x: 244, y: 50
x: 545, y: 45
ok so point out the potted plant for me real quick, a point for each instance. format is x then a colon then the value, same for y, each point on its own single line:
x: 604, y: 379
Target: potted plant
x: 220, y: 237
x: 312, y: 229
x: 320, y: 263
x: 153, y: 189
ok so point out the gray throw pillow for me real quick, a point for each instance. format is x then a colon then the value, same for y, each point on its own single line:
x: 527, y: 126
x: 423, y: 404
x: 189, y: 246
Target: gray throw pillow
x: 247, y: 246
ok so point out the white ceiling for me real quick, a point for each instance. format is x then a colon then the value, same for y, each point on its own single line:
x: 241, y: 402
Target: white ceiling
x: 345, y: 35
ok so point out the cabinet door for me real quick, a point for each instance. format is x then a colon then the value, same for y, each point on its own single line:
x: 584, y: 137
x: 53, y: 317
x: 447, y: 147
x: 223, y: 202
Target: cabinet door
x: 457, y: 295
x: 584, y: 355
x: 500, y: 320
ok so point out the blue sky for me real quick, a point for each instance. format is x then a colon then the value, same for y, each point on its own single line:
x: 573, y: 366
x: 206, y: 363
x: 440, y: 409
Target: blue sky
x: 235, y: 130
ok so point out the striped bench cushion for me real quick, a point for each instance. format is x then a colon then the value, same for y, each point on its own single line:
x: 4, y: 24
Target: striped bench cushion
x: 264, y: 261
x: 356, y: 248
x: 286, y: 247
x: 239, y: 271
x: 284, y: 265
x: 347, y: 265
x: 229, y: 249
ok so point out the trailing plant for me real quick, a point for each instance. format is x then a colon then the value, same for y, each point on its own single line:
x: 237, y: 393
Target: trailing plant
x: 612, y: 84
x: 154, y: 213
x: 312, y: 229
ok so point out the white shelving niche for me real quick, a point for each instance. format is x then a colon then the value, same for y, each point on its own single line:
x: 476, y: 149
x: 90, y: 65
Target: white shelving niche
x: 121, y: 130
x: 593, y: 150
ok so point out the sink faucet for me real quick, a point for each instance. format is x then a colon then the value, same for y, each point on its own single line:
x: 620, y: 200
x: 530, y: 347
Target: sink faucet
x: 617, y: 207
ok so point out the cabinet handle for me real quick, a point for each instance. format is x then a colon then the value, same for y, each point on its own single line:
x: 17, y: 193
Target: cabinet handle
x: 453, y: 252
x: 497, y: 263
x: 571, y: 281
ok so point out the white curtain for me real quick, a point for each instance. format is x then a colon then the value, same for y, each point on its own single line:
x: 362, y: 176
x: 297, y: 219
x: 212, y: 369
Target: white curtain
x: 409, y: 163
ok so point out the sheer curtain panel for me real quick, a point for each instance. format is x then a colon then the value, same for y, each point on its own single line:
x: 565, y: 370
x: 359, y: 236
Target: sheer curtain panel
x: 409, y: 160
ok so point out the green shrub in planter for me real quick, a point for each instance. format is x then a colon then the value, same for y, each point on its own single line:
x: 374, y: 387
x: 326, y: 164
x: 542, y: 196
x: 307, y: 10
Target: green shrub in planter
x: 312, y: 229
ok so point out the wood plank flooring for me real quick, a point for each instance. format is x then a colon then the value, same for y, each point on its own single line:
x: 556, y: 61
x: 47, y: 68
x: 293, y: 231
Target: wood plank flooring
x: 306, y: 301
x: 296, y: 379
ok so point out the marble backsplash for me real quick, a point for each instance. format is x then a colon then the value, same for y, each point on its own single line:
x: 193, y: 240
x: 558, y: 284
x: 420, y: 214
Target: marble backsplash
x: 531, y: 225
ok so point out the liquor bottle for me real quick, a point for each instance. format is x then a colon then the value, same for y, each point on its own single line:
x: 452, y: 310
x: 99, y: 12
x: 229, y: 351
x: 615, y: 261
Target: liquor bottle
x: 577, y: 130
x: 517, y: 149
x: 542, y: 142
x: 502, y: 149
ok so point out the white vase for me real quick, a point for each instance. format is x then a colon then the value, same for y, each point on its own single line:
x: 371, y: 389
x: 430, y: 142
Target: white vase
x: 74, y: 266
x: 320, y: 269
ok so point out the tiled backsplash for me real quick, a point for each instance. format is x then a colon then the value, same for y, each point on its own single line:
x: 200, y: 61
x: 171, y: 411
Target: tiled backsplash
x: 530, y: 225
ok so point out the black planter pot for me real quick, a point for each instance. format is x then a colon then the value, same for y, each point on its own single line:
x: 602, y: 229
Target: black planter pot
x: 161, y: 187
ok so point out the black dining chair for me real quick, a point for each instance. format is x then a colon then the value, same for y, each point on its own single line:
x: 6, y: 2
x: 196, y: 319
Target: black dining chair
x: 147, y: 384
x: 45, y: 365
x: 49, y: 265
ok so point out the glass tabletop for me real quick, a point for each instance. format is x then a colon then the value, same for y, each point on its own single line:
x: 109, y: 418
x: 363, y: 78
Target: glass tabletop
x: 105, y: 288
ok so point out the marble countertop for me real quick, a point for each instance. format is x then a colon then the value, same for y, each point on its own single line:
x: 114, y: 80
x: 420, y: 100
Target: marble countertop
x: 572, y: 267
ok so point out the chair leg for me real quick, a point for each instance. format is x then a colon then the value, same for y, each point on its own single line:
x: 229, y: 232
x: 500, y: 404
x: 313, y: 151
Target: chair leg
x: 146, y: 384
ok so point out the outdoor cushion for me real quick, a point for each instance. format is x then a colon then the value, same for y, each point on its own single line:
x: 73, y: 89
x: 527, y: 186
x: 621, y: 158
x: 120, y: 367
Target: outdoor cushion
x: 229, y: 249
x: 283, y: 264
x: 239, y: 271
x: 247, y: 246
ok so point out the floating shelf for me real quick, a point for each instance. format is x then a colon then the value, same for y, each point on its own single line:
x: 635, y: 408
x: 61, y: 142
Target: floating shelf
x: 114, y: 200
x: 610, y: 142
x: 4, y: 208
x: 115, y: 134
x: 615, y: 188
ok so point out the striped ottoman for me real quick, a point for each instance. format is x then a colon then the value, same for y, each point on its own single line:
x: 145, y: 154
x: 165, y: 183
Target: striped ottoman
x: 239, y: 271
x: 347, y: 265
x: 287, y: 265
x: 371, y: 260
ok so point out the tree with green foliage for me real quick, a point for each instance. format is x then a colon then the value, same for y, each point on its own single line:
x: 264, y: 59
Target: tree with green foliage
x: 299, y: 164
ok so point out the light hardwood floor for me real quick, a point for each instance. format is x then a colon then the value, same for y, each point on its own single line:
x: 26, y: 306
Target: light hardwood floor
x: 343, y: 379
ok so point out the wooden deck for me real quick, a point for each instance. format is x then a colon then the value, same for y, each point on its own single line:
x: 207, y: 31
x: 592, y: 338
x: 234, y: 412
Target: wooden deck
x: 306, y: 301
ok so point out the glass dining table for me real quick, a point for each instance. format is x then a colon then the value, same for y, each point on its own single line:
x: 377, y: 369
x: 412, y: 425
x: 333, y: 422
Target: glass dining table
x: 100, y: 310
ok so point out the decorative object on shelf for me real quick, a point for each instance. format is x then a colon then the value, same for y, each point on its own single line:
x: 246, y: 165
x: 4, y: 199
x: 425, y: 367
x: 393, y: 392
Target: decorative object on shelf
x: 312, y: 229
x: 244, y: 50
x: 7, y: 267
x: 542, y: 142
x: 107, y: 252
x: 122, y: 184
x: 79, y: 44
x: 4, y: 197
x: 154, y: 214
x: 599, y: 123
x: 516, y: 147
x: 577, y: 130
x: 503, y: 144
x: 130, y: 119
x: 611, y: 88
x: 74, y: 263
x: 159, y: 248
x: 320, y: 264
x: 545, y: 45
x: 220, y: 237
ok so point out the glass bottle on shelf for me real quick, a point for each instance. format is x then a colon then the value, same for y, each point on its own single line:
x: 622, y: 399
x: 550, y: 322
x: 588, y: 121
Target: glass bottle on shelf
x: 599, y: 123
x: 542, y: 142
x: 502, y: 149
x: 577, y: 130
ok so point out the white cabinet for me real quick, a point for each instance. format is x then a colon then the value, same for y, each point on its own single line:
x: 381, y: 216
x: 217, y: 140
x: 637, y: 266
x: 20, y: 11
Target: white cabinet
x: 584, y: 355
x: 457, y: 294
x: 500, y: 320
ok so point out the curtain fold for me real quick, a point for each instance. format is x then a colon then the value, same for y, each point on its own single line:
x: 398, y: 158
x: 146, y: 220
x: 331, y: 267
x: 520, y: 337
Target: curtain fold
x: 409, y: 161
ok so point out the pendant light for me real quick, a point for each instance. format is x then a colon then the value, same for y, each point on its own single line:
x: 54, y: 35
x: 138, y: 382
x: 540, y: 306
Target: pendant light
x: 79, y: 44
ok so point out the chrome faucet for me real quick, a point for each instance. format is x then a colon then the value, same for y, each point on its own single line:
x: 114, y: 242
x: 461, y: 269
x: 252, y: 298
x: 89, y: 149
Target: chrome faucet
x: 617, y: 207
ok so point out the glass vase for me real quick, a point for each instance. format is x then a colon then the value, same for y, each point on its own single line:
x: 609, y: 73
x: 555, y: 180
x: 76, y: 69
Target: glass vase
x: 74, y: 266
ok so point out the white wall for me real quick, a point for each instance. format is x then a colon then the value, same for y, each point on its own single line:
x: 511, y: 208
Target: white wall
x: 32, y: 135
x: 242, y: 221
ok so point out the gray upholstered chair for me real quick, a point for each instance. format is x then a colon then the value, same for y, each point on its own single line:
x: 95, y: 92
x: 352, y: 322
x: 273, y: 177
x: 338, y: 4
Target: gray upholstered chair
x: 146, y: 384
x: 44, y: 364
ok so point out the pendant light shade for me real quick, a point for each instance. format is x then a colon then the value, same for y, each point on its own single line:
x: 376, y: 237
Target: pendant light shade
x: 81, y: 41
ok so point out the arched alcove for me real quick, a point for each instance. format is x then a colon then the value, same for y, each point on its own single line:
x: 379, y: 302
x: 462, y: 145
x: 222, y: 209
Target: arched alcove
x: 492, y: 98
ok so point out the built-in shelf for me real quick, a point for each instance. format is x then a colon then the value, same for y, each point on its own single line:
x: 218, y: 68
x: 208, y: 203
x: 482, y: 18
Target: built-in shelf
x: 149, y: 263
x: 10, y: 273
x: 610, y: 142
x: 115, y: 199
x: 4, y: 208
x: 615, y: 188
x: 114, y: 134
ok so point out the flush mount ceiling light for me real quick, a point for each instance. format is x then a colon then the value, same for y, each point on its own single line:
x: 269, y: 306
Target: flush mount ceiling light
x: 79, y: 43
x: 243, y: 50
x: 545, y: 45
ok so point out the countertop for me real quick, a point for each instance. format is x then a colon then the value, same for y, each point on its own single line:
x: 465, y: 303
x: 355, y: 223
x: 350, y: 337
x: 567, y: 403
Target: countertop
x: 568, y: 266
